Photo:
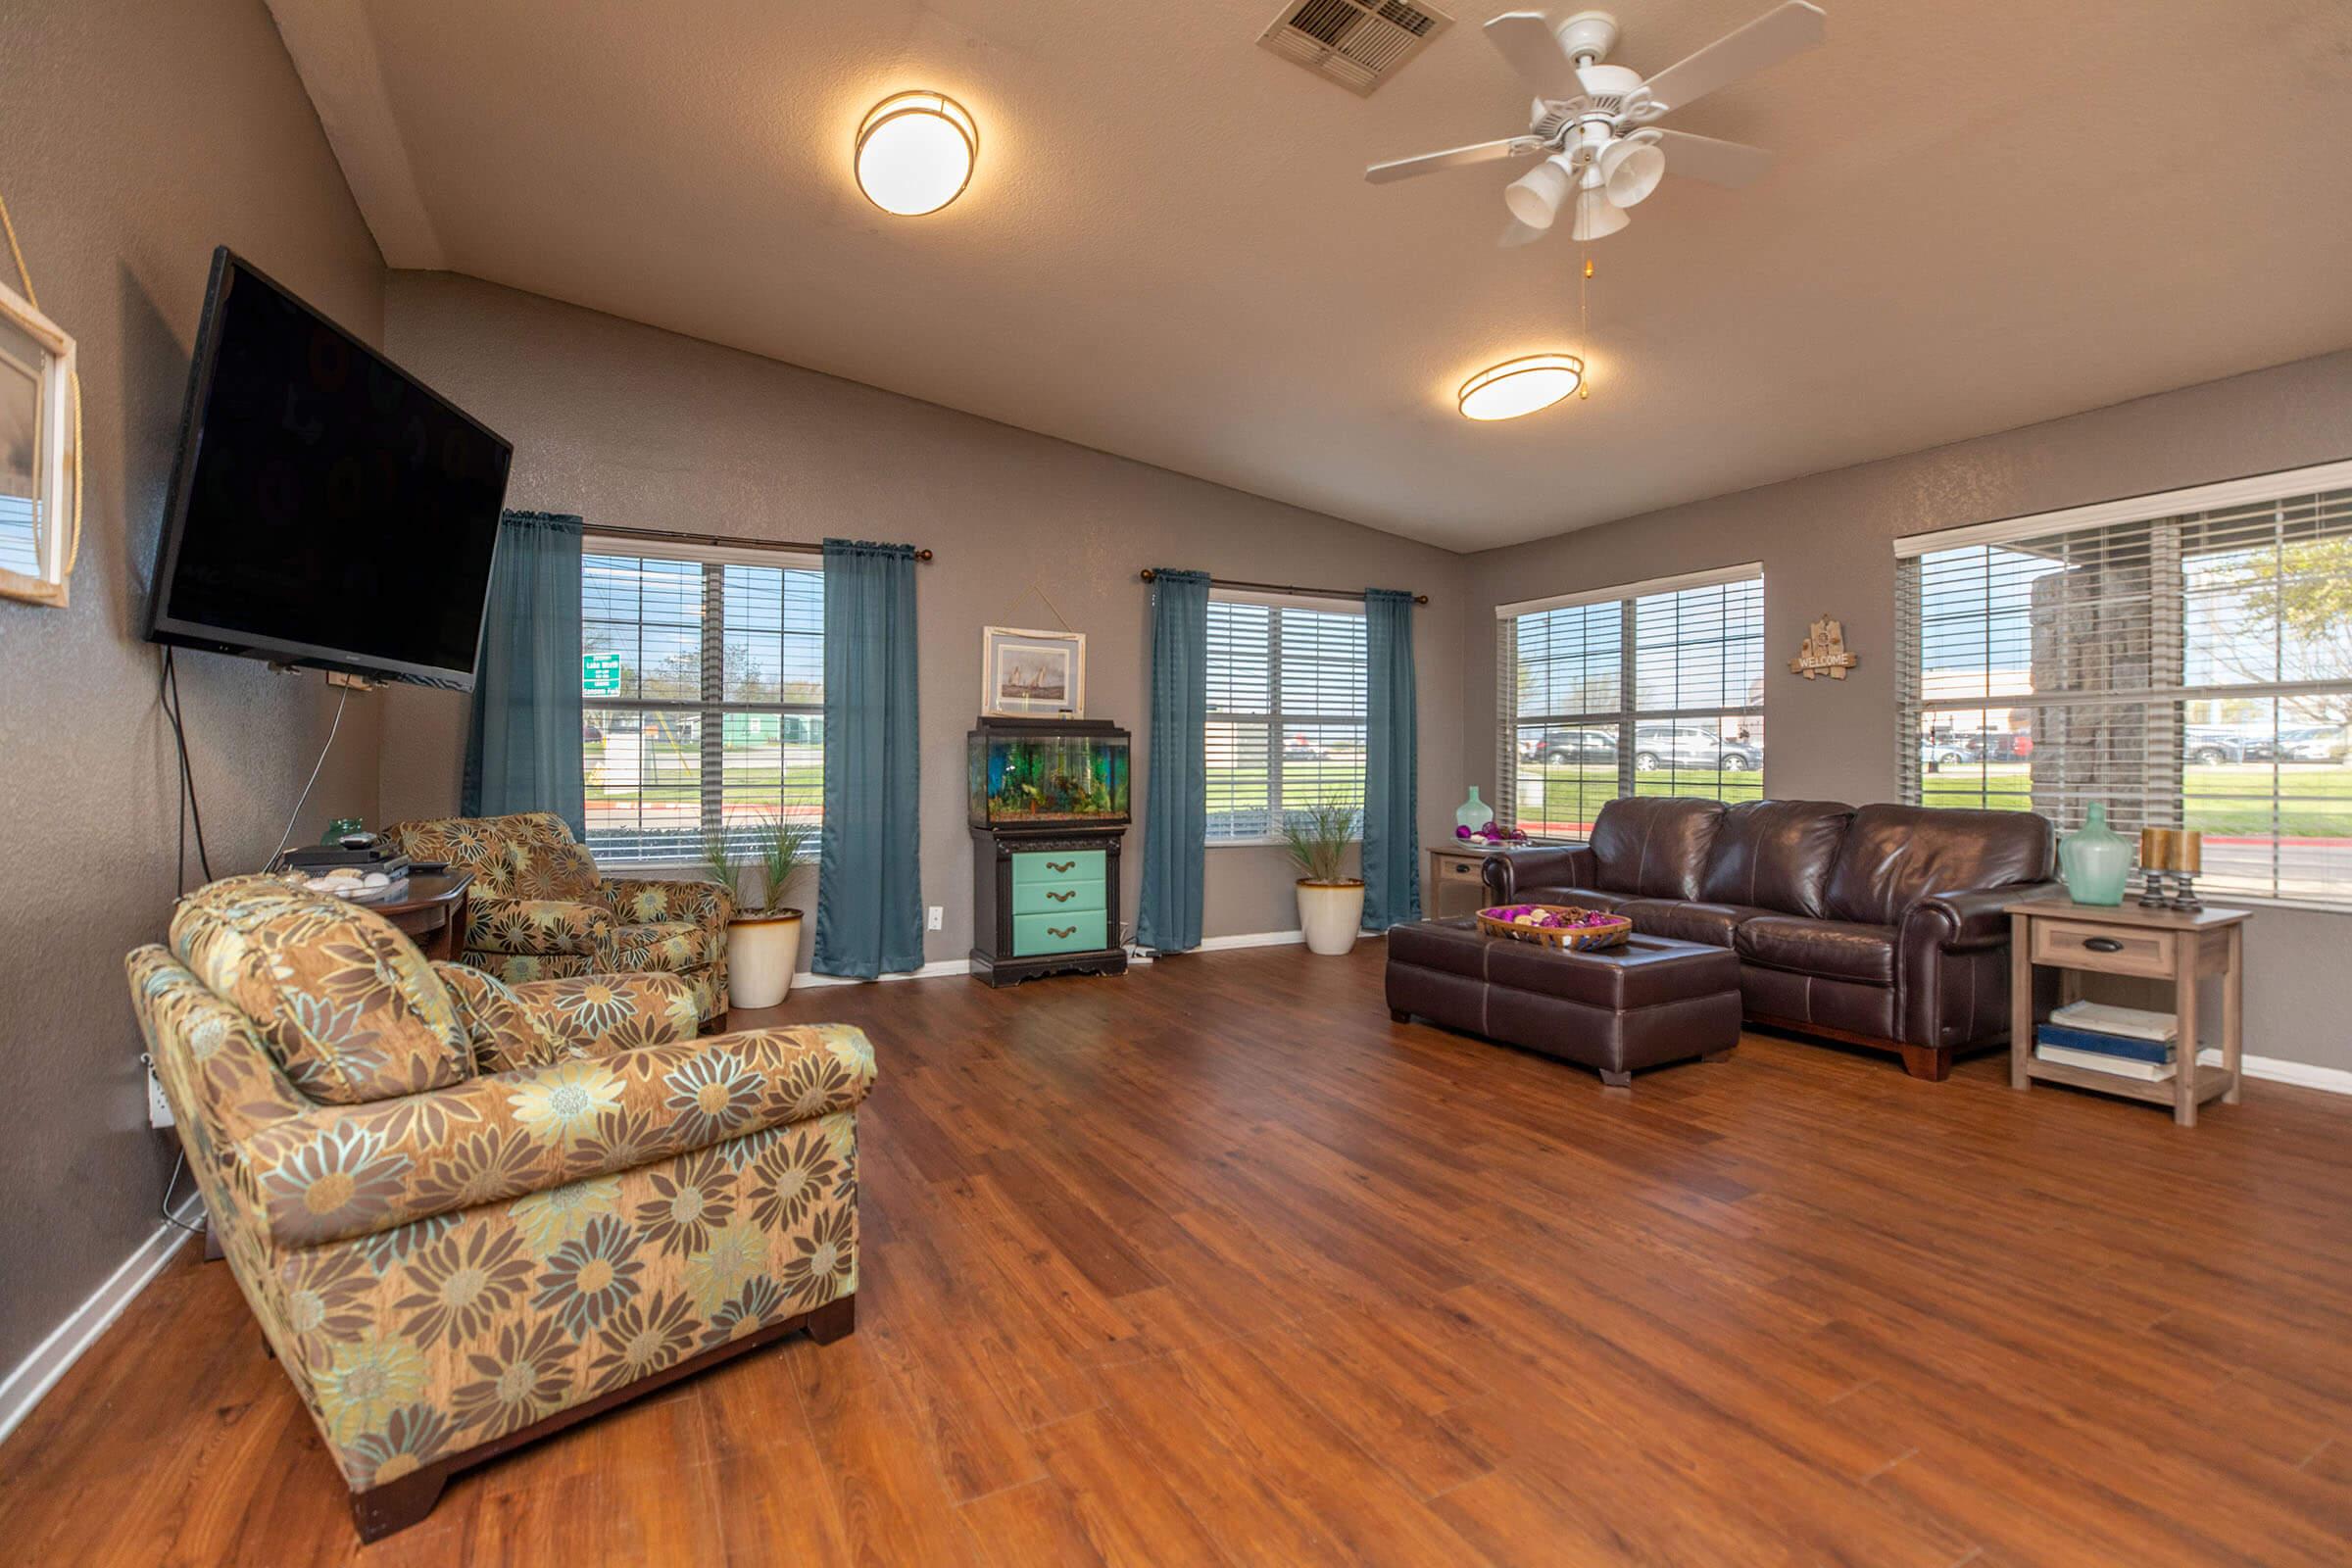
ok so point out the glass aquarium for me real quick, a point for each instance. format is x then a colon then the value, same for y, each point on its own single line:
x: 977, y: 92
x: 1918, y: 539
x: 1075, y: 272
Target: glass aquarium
x: 1047, y: 773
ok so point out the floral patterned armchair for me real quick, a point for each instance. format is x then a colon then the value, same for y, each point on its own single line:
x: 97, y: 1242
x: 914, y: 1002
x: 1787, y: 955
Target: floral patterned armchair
x: 539, y: 909
x: 468, y: 1212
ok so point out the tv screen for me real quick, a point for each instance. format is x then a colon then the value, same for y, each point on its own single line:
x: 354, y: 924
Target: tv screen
x: 327, y: 508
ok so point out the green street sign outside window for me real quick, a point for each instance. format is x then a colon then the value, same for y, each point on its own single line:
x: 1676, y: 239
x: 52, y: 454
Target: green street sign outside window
x: 599, y: 672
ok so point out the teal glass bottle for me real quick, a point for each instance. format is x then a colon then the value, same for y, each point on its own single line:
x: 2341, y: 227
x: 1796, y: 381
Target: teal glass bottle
x: 2096, y: 862
x: 1475, y: 812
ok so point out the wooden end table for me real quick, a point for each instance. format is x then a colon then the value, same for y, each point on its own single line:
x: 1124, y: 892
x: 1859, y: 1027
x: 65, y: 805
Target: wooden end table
x: 432, y: 911
x: 2178, y: 947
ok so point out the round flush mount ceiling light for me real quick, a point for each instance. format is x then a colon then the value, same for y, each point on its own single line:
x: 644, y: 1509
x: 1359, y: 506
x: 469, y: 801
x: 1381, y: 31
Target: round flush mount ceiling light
x: 915, y: 152
x: 1521, y: 386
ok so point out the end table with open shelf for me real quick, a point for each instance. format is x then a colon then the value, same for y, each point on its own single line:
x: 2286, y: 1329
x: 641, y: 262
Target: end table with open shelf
x: 2183, y: 948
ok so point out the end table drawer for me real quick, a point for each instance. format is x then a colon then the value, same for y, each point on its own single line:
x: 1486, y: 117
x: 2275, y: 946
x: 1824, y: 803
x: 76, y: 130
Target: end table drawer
x: 1081, y: 932
x: 2107, y: 949
x: 1056, y: 866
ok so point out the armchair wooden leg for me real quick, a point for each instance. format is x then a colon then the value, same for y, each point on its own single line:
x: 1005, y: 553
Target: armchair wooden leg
x: 380, y: 1511
x: 834, y: 1320
x: 1930, y: 1063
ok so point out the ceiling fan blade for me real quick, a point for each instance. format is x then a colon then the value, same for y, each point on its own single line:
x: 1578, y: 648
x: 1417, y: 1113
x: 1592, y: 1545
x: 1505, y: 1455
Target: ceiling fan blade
x: 1516, y: 234
x: 1730, y: 164
x: 1771, y: 38
x: 1485, y: 152
x: 1526, y: 39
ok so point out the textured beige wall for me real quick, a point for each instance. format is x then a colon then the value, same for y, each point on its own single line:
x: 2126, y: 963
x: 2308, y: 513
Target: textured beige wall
x: 133, y: 138
x: 1826, y: 542
x: 629, y: 426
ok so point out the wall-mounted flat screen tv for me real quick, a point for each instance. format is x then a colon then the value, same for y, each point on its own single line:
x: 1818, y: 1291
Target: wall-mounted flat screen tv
x: 327, y: 509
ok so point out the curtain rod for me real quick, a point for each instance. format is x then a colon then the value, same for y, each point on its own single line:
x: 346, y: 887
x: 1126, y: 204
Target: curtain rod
x: 1149, y: 575
x: 797, y: 547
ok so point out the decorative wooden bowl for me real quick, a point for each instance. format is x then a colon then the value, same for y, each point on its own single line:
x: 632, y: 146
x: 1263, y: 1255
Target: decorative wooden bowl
x: 1503, y: 922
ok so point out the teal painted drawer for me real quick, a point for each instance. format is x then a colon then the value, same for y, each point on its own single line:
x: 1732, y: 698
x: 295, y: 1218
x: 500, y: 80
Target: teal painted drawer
x: 1082, y: 932
x: 1056, y: 898
x: 1056, y: 866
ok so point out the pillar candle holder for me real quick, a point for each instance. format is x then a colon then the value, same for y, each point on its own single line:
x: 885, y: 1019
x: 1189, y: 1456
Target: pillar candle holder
x: 2187, y: 858
x: 2154, y: 856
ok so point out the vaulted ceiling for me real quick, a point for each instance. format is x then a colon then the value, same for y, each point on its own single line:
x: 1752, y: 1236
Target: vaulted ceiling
x: 1982, y: 214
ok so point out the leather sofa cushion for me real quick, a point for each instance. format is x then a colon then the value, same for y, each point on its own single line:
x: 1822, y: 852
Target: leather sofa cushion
x: 1776, y: 853
x: 1839, y: 950
x: 1687, y: 922
x: 1654, y: 847
x: 1894, y: 855
x: 345, y: 1004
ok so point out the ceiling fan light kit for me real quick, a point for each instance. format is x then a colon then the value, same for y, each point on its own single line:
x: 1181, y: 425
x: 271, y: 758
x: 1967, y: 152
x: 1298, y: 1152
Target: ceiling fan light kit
x: 1590, y: 120
x: 1520, y: 386
x: 915, y: 152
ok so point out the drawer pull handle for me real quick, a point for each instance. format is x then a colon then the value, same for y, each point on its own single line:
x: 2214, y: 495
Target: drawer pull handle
x: 1064, y: 898
x: 2102, y: 943
x: 1061, y: 866
x: 1062, y: 930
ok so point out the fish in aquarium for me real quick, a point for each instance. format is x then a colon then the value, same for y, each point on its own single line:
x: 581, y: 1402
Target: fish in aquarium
x: 1062, y: 778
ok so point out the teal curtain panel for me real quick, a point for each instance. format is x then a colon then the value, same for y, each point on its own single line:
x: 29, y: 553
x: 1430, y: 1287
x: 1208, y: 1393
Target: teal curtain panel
x: 1392, y: 763
x: 1176, y: 795
x: 869, y: 896
x: 522, y: 743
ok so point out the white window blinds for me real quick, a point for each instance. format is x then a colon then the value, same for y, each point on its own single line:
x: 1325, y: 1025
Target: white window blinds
x: 1648, y: 689
x: 703, y: 681
x: 1287, y: 691
x: 2189, y: 670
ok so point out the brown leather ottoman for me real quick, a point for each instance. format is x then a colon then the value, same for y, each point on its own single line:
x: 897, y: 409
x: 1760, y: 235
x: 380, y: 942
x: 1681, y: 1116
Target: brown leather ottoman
x: 1650, y: 1001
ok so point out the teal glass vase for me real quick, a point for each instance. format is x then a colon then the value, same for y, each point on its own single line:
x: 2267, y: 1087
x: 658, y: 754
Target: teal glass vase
x: 2096, y: 862
x: 1475, y: 812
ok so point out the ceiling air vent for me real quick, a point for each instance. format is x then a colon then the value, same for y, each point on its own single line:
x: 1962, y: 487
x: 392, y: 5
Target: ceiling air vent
x: 1357, y: 43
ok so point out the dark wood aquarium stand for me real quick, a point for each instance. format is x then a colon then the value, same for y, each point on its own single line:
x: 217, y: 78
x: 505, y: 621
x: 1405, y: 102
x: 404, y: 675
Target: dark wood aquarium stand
x: 1046, y: 886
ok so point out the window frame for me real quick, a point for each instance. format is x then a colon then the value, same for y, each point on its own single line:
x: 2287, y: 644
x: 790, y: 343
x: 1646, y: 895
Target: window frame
x: 1629, y: 719
x: 2171, y: 518
x: 1281, y: 719
x: 711, y: 703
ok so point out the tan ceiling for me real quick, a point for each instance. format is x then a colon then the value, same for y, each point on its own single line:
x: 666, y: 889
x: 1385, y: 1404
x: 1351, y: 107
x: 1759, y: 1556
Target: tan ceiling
x: 1984, y: 214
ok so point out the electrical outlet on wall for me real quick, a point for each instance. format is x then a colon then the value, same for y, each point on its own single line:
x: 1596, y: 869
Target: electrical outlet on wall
x: 935, y: 918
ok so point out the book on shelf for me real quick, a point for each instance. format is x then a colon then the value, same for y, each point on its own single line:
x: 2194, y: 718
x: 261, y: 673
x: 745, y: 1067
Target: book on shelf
x: 2151, y: 1072
x: 2103, y: 1018
x: 2126, y: 1046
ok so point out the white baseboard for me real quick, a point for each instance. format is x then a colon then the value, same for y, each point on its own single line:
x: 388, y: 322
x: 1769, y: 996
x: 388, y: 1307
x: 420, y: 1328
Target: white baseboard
x: 1251, y: 939
x: 2331, y: 1080
x: 929, y: 971
x: 39, y: 1372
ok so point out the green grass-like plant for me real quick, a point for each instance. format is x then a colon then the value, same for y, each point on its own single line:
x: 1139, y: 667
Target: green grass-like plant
x: 1317, y: 837
x: 780, y: 850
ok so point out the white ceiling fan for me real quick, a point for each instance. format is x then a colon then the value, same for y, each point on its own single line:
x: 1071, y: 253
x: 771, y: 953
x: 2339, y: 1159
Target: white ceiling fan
x: 1591, y: 121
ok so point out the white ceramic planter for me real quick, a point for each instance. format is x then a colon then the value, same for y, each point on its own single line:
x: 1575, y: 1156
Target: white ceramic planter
x: 1329, y: 913
x: 761, y: 954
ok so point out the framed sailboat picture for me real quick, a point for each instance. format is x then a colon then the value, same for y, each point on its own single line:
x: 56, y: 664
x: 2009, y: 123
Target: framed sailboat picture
x: 1032, y: 675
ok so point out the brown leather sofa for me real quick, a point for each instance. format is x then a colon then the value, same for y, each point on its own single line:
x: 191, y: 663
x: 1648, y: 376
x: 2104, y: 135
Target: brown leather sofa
x: 1879, y: 925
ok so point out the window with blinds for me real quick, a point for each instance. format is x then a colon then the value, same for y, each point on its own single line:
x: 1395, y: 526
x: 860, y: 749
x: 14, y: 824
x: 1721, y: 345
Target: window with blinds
x: 2188, y: 665
x: 1652, y: 688
x: 703, y: 680
x: 1286, y: 694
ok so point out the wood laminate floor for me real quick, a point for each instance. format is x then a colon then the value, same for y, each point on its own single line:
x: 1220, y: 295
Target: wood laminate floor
x: 1214, y: 1265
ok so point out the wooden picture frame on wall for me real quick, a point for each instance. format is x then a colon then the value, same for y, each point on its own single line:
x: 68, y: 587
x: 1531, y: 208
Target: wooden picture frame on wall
x: 1032, y: 675
x: 38, y: 512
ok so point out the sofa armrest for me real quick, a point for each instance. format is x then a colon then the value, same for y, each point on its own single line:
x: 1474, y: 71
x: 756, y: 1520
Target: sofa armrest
x: 1553, y: 865
x: 1966, y: 921
x: 355, y: 1170
x: 641, y: 900
x: 535, y: 928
